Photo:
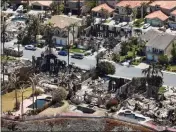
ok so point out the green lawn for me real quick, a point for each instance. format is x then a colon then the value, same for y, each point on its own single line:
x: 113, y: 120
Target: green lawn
x: 138, y: 23
x: 136, y: 63
x: 129, y: 54
x: 75, y: 50
x: 9, y: 58
x: 162, y: 90
x: 173, y: 68
x: 8, y: 100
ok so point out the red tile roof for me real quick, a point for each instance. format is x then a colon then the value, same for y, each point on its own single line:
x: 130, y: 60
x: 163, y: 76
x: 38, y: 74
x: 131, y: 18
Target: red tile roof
x: 164, y: 4
x: 131, y: 3
x: 40, y: 2
x: 173, y: 12
x: 103, y: 6
x: 157, y: 14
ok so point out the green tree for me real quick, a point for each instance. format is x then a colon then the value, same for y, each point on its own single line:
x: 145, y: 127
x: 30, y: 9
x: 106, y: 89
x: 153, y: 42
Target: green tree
x: 90, y: 3
x: 152, y: 70
x: 163, y: 60
x: 134, y: 11
x: 173, y: 52
x: 3, y: 34
x: 105, y: 68
x: 73, y: 31
x: 116, y: 57
x: 68, y: 28
x: 127, y: 9
x: 124, y: 48
x: 99, y: 56
x: 14, y: 80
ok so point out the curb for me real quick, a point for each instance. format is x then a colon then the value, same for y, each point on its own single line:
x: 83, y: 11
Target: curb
x: 174, y: 73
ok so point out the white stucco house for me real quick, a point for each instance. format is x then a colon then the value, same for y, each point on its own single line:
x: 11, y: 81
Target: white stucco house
x: 61, y: 22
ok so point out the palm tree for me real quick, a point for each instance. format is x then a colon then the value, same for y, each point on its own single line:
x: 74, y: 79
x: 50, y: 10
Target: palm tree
x: 68, y: 28
x: 15, y: 81
x: 134, y: 13
x: 3, y: 33
x: 104, y: 13
x: 33, y: 88
x: 127, y: 9
x: 73, y: 31
x: 143, y: 4
x: 35, y: 25
x: 49, y: 30
x: 152, y: 70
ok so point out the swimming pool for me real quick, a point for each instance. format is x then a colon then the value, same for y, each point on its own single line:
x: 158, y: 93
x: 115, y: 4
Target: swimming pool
x: 132, y: 116
x: 19, y: 19
x: 40, y: 103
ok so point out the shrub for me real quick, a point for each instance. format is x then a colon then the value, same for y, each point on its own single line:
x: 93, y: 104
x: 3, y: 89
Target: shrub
x: 111, y: 103
x: 105, y: 68
x: 58, y: 95
x: 163, y: 60
x: 88, y: 53
x: 37, y: 92
x: 116, y: 57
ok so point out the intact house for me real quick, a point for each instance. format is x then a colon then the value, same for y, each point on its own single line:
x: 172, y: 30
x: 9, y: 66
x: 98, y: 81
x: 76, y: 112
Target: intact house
x: 124, y: 10
x: 166, y: 6
x: 156, y: 18
x: 40, y: 5
x: 61, y: 22
x: 149, y: 35
x: 102, y: 10
x: 111, y: 3
x: 172, y: 19
x: 161, y: 44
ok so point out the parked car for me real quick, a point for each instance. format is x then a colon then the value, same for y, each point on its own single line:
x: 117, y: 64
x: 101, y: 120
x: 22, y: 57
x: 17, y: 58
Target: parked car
x: 30, y: 47
x: 13, y: 52
x: 59, y: 48
x: 173, y: 28
x: 63, y: 53
x: 146, y: 26
x: 162, y: 29
x: 78, y: 56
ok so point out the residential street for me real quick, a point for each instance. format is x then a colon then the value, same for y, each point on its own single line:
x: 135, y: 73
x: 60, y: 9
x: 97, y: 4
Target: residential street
x: 89, y: 62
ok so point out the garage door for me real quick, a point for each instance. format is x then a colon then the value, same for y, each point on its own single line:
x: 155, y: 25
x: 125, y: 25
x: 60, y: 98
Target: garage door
x: 155, y: 23
x: 149, y: 56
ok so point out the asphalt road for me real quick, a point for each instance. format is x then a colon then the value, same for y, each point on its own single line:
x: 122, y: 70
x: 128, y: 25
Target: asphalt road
x: 89, y: 62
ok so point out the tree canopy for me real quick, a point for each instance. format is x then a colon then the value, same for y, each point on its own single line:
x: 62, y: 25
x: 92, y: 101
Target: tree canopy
x: 105, y: 68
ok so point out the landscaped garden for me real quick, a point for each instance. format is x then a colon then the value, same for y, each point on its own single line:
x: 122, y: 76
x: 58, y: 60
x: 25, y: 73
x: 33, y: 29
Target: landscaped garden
x: 8, y: 100
x: 162, y: 90
x: 9, y: 58
x: 130, y: 50
x: 138, y: 23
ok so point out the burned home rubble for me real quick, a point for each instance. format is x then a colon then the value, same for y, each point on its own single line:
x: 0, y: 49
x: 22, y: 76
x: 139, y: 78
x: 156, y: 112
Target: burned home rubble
x: 105, y: 96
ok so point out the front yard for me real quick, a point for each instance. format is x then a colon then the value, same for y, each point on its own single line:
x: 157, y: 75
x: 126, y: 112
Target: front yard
x: 172, y: 68
x: 138, y: 23
x: 76, y: 50
x: 8, y: 100
x: 8, y: 58
x: 162, y: 90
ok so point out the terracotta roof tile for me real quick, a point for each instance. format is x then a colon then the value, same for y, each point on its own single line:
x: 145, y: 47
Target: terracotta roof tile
x: 164, y: 4
x: 44, y: 3
x: 103, y: 6
x: 157, y: 14
x: 131, y: 3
